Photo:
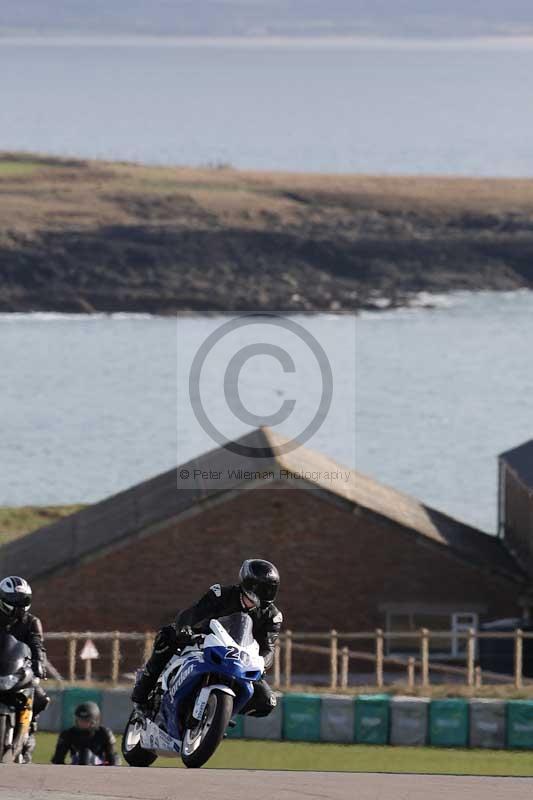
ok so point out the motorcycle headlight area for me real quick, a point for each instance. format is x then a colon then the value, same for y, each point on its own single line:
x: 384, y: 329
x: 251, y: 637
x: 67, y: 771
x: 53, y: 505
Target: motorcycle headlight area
x: 214, y: 655
x: 233, y: 656
x: 7, y: 682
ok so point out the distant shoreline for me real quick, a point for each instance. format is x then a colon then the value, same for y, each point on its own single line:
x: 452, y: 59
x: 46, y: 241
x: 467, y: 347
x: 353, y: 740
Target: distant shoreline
x: 422, y: 301
x: 82, y: 236
x: 422, y: 42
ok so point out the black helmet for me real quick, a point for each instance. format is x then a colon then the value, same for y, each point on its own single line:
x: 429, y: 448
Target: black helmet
x: 259, y: 580
x: 15, y: 597
x: 87, y: 713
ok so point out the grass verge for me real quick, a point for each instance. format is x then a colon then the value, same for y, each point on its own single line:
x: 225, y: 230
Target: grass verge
x: 240, y: 754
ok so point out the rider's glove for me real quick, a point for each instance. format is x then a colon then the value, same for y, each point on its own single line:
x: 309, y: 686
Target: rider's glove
x: 39, y: 670
x: 184, y: 635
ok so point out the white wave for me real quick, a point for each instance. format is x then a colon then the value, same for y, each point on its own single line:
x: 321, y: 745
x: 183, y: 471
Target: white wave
x: 391, y: 313
x: 441, y: 302
x: 415, y: 304
x: 137, y: 315
x: 429, y: 299
x: 53, y: 316
x: 329, y: 317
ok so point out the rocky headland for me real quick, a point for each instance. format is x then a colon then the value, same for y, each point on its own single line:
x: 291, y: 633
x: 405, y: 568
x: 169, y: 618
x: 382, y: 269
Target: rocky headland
x: 85, y: 236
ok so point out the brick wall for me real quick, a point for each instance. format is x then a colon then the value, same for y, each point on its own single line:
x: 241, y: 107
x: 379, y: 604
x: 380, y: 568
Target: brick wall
x: 337, y: 567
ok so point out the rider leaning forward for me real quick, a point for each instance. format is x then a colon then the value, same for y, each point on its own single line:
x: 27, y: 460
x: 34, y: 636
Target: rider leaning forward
x: 254, y: 594
x: 87, y: 739
x: 15, y: 619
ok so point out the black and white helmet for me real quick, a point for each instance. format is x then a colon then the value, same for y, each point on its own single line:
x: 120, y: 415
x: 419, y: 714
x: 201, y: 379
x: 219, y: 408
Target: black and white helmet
x: 15, y: 596
x: 259, y: 580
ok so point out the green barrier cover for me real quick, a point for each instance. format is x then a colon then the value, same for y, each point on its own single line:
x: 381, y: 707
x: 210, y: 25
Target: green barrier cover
x: 269, y: 727
x: 487, y: 722
x: 52, y: 717
x: 448, y: 722
x: 337, y: 718
x: 372, y: 712
x: 238, y: 731
x: 520, y: 723
x: 73, y: 697
x: 301, y: 717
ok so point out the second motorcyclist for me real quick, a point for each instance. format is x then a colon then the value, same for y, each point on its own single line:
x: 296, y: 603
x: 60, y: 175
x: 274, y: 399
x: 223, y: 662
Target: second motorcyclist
x: 88, y: 742
x: 15, y: 619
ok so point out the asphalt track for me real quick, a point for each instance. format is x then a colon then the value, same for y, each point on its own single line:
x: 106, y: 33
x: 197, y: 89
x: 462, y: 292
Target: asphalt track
x: 35, y: 782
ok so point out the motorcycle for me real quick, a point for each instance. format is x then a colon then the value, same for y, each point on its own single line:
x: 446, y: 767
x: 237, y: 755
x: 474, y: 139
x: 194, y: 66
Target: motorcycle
x: 198, y: 693
x: 86, y: 758
x: 17, y: 683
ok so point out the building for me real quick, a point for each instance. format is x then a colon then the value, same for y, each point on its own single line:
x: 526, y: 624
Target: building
x: 353, y: 554
x: 515, y: 510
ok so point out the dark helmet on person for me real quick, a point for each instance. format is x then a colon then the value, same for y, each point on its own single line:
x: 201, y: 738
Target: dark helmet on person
x: 259, y: 581
x: 15, y: 597
x: 87, y: 715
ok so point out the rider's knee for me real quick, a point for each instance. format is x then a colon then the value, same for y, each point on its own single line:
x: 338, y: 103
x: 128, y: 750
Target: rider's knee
x: 40, y: 700
x: 265, y: 706
x: 270, y: 704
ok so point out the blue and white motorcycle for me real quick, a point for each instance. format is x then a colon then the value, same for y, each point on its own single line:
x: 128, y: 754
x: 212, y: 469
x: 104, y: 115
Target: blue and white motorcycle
x: 198, y: 692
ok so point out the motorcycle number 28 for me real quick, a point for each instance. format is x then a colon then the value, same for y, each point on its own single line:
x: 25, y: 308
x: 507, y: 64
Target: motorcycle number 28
x: 234, y: 654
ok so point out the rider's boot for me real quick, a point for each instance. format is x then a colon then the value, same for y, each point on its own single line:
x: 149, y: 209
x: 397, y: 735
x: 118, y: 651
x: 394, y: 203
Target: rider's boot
x: 145, y: 683
x: 146, y: 680
x: 29, y: 745
x: 165, y: 645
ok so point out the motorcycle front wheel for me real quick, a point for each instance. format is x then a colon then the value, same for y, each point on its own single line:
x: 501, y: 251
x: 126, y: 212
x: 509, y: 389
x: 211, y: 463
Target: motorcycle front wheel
x: 6, y: 754
x: 202, y: 738
x: 134, y: 754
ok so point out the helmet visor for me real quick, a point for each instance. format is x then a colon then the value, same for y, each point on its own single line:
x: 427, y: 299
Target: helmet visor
x: 264, y: 591
x: 268, y: 592
x: 250, y: 600
x: 22, y: 601
x: 7, y: 608
x: 85, y: 723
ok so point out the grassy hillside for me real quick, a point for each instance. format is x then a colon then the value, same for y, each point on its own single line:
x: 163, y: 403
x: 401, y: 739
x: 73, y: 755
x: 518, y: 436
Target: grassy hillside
x: 17, y: 521
x: 85, y: 236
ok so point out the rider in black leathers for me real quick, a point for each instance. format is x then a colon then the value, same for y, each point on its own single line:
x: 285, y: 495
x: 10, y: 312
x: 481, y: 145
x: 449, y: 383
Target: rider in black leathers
x: 254, y: 594
x: 87, y: 739
x: 15, y: 619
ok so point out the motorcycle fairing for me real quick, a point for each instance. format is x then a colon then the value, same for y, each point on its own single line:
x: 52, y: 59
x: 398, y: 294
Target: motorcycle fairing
x: 154, y: 738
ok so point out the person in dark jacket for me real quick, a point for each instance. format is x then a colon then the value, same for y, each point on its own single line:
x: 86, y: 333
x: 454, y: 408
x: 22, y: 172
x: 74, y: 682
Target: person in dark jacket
x: 15, y: 619
x: 254, y: 594
x: 88, y: 742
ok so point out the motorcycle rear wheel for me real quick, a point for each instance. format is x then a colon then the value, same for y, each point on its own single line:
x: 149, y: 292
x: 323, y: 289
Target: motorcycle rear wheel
x: 201, y: 740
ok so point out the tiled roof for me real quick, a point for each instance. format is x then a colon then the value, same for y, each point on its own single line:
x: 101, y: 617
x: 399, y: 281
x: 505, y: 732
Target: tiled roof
x: 154, y: 502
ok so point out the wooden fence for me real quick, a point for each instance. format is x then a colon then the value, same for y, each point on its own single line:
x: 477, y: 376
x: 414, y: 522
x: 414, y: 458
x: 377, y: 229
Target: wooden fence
x: 336, y: 658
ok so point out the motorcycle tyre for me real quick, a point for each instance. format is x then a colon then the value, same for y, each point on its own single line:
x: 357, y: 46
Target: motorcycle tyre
x: 6, y: 756
x: 215, y: 734
x: 137, y: 756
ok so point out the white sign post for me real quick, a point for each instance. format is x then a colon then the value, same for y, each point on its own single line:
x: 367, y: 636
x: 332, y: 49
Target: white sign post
x: 88, y: 652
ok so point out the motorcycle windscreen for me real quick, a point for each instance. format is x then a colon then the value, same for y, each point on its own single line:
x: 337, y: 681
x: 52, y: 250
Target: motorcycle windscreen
x: 240, y: 628
x: 12, y: 654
